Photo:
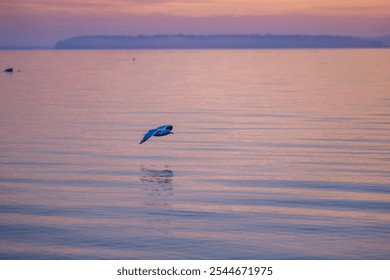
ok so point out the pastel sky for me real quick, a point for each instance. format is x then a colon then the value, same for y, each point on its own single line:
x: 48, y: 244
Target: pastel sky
x: 44, y: 22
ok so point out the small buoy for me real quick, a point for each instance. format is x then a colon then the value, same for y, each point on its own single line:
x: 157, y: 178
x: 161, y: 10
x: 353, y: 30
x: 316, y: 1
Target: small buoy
x: 9, y: 70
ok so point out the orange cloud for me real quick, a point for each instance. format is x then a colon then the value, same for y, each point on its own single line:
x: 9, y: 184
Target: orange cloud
x: 46, y: 21
x: 197, y: 8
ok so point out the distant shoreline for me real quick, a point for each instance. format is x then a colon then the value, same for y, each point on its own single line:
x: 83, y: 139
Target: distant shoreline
x: 172, y: 42
x: 218, y: 42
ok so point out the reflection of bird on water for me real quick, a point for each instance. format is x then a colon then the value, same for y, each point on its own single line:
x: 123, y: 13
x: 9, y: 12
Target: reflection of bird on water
x: 158, y: 176
x: 158, y: 187
x: 159, y: 131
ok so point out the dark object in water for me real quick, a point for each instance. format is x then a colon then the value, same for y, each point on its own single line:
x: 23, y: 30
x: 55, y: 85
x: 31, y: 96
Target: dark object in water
x: 9, y: 70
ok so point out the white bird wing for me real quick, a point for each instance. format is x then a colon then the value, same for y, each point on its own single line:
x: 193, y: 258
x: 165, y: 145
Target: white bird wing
x: 149, y: 134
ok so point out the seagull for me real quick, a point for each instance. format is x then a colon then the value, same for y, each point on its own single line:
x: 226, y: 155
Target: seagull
x: 159, y: 131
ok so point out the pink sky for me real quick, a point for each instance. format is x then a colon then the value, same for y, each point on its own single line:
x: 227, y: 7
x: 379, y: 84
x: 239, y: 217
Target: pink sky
x: 44, y: 22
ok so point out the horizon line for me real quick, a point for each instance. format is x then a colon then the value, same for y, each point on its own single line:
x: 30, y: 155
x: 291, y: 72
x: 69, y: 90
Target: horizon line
x: 52, y: 47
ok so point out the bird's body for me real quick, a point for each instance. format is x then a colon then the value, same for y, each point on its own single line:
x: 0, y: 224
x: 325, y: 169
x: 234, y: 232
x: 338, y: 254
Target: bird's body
x: 159, y: 131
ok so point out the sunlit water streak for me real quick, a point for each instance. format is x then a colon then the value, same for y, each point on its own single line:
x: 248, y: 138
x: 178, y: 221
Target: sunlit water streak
x: 277, y: 154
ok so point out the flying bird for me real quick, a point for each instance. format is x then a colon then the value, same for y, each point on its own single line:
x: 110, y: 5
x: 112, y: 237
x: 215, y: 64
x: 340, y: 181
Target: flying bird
x: 159, y: 131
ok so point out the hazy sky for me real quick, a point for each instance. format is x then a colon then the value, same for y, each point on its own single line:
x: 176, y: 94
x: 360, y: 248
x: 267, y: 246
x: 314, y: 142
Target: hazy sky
x: 43, y: 22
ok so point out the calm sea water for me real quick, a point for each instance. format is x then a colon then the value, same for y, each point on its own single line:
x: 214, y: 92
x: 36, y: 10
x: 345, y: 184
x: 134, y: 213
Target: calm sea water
x: 277, y: 154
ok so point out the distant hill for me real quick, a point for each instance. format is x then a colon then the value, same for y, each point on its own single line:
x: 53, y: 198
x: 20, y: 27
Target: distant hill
x: 218, y: 42
x: 385, y: 40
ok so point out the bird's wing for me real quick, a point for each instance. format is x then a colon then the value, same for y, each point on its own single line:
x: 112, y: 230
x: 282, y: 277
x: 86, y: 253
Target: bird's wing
x: 149, y: 134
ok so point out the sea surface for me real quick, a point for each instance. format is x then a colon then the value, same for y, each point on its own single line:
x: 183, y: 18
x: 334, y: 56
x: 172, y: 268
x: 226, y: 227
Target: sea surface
x: 276, y: 154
